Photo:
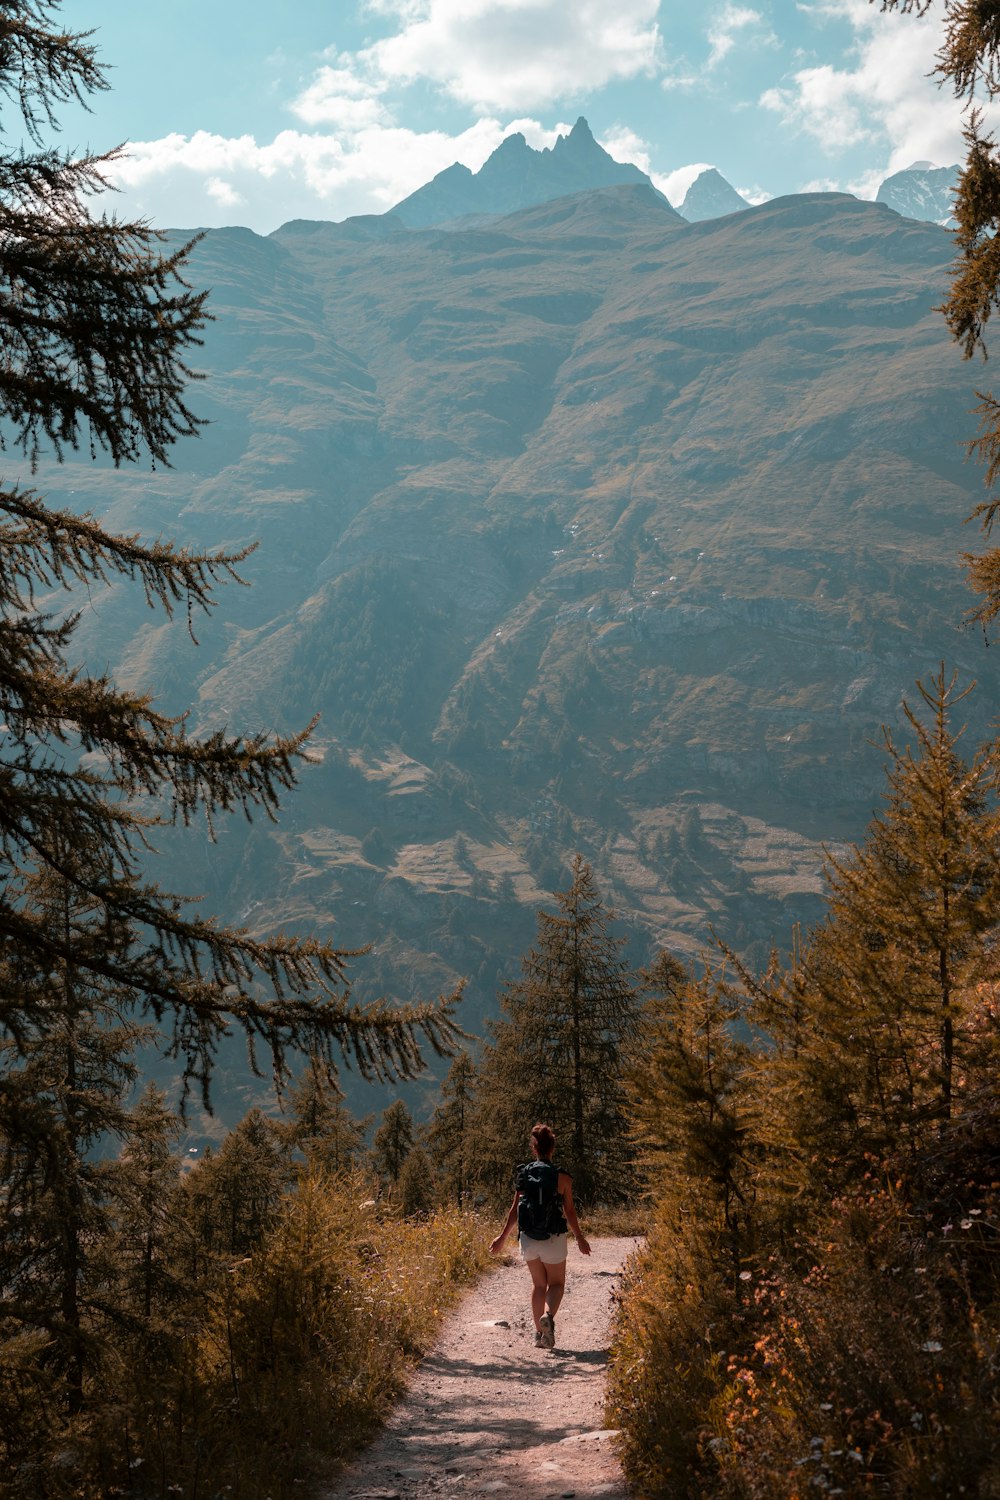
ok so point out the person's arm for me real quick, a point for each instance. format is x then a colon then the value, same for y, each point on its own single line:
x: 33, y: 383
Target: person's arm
x: 569, y: 1209
x: 497, y: 1245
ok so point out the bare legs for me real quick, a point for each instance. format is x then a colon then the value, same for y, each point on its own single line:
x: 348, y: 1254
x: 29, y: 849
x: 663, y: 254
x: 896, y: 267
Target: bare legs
x: 547, y: 1286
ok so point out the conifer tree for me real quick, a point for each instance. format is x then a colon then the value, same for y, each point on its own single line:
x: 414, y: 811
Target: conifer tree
x: 969, y: 63
x: 417, y: 1184
x: 97, y: 325
x: 233, y: 1195
x: 688, y: 1103
x: 66, y: 1074
x: 909, y: 913
x: 451, y: 1130
x: 321, y: 1126
x: 561, y: 1047
x: 393, y: 1142
x: 146, y: 1180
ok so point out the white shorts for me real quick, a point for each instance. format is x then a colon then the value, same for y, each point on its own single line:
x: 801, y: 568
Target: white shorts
x: 551, y: 1252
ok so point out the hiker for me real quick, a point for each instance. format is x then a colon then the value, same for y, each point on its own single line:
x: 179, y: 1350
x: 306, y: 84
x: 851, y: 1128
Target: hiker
x: 543, y: 1203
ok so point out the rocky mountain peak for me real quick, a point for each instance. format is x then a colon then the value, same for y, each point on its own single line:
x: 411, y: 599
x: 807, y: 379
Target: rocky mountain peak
x: 511, y: 145
x: 921, y: 191
x: 580, y: 138
x: 516, y: 176
x: 710, y: 196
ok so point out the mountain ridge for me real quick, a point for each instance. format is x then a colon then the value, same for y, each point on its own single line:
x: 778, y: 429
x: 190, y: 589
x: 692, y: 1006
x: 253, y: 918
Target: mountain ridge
x: 584, y: 529
x: 922, y: 191
x: 516, y: 176
x: 710, y: 196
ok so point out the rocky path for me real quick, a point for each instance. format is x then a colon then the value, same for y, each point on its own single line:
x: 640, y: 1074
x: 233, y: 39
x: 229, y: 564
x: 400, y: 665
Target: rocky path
x: 488, y: 1414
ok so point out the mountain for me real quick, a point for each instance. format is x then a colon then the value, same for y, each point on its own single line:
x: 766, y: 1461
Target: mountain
x: 585, y: 529
x: 922, y: 191
x: 710, y: 196
x: 516, y: 176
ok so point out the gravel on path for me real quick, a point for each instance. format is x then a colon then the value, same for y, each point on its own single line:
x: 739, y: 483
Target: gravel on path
x: 486, y: 1414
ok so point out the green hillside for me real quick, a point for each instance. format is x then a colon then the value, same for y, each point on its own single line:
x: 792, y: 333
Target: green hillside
x: 582, y: 529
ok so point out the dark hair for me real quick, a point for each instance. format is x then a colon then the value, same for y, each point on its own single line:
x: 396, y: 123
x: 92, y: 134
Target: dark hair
x: 544, y: 1139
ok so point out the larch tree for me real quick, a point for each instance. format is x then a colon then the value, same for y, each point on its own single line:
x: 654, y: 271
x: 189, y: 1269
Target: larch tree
x: 393, y: 1143
x: 418, y: 1188
x: 66, y: 1076
x: 561, y: 1046
x: 320, y: 1125
x: 893, y: 970
x: 969, y: 62
x: 146, y: 1180
x: 232, y: 1197
x: 689, y: 1107
x: 97, y: 326
x: 450, y: 1133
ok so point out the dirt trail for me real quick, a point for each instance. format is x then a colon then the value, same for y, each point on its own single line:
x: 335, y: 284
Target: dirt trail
x: 488, y: 1414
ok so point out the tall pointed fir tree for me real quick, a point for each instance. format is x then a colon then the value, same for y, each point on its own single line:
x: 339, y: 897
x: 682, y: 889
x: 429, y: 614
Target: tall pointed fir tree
x: 889, y: 980
x: 689, y: 1107
x: 97, y: 326
x: 450, y: 1134
x: 66, y: 1076
x: 969, y: 63
x: 319, y: 1124
x: 146, y: 1180
x: 232, y: 1197
x: 561, y: 1048
x: 392, y: 1144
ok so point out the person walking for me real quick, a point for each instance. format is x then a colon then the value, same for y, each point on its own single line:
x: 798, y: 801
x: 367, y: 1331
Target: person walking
x: 544, y: 1212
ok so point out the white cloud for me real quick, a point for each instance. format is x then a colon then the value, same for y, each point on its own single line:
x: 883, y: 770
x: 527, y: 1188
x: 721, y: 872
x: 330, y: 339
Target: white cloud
x: 342, y: 97
x: 884, y: 97
x: 832, y: 105
x: 222, y: 192
x: 505, y: 55
x: 499, y: 58
x: 755, y: 195
x: 184, y: 181
x: 674, y: 185
x: 623, y: 144
x: 723, y: 32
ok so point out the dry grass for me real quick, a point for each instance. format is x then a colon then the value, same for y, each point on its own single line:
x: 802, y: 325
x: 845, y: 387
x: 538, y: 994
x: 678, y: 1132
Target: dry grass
x: 864, y: 1365
x: 623, y: 1219
x: 311, y: 1345
x: 270, y: 1371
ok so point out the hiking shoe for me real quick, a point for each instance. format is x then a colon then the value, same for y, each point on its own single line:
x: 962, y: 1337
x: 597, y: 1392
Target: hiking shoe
x: 539, y: 1339
x: 547, y: 1331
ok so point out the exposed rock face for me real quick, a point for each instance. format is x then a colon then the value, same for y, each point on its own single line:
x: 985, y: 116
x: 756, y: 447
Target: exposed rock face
x: 922, y: 191
x: 587, y: 529
x: 710, y: 196
x: 516, y: 176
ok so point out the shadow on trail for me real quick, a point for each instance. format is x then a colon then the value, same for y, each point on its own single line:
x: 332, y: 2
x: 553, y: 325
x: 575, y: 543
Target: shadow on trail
x: 436, y: 1431
x: 526, y: 1370
x: 581, y: 1356
x: 438, y: 1442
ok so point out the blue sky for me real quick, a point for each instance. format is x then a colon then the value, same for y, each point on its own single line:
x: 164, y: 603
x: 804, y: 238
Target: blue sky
x: 240, y: 112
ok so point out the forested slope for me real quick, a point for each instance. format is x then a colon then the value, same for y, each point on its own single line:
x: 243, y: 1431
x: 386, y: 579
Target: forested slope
x: 584, y: 529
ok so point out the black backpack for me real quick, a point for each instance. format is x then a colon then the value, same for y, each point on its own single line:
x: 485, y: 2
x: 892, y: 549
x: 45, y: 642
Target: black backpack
x: 539, y: 1210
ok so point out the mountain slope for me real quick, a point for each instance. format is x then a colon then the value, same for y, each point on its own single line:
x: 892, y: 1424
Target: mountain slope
x: 922, y: 191
x: 583, y: 529
x: 516, y: 176
x: 710, y: 196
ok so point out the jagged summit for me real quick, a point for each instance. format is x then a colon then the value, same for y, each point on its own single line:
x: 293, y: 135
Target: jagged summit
x: 517, y: 176
x: 710, y: 196
x: 580, y: 138
x: 921, y: 191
